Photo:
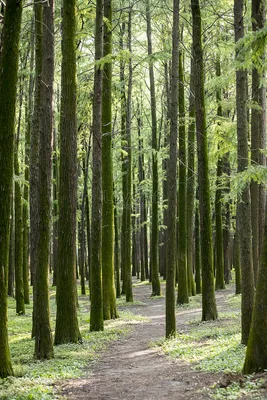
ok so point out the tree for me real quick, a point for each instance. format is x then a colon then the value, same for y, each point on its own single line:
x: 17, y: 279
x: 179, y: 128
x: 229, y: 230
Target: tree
x: 43, y: 334
x: 155, y: 195
x: 8, y: 84
x: 209, y: 310
x: 258, y: 137
x: 96, y: 315
x: 67, y: 329
x: 190, y: 189
x: 171, y: 180
x: 244, y: 206
x: 109, y: 298
x: 218, y: 201
x: 256, y: 354
x: 182, y: 297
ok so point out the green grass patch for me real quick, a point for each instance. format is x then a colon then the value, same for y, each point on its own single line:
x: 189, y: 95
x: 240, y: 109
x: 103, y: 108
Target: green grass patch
x: 212, y: 346
x: 35, y: 379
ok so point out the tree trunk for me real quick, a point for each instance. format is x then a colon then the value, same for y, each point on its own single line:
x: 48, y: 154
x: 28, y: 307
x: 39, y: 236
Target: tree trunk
x: 190, y: 190
x: 8, y: 84
x: 244, y: 206
x: 96, y: 316
x: 209, y: 310
x: 43, y: 335
x: 128, y: 174
x: 34, y: 151
x: 109, y: 297
x: 67, y: 329
x: 183, y: 297
x: 256, y: 355
x: 219, y: 284
x: 154, y: 223
x: 258, y: 137
x: 171, y: 180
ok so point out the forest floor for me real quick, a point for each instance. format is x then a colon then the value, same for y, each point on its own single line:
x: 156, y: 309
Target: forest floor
x: 136, y: 367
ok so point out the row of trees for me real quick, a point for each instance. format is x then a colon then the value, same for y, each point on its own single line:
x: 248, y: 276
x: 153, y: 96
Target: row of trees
x: 171, y: 192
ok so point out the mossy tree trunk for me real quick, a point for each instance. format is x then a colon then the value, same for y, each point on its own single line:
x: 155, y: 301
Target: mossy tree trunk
x: 197, y: 253
x: 128, y: 175
x: 258, y: 135
x: 28, y: 122
x: 171, y: 180
x: 67, y: 329
x: 96, y: 315
x: 219, y: 284
x: 181, y: 250
x: 19, y: 289
x: 8, y: 84
x: 155, y: 189
x: 142, y: 205
x: 190, y: 189
x: 124, y: 158
x: 244, y: 205
x: 34, y: 151
x: 256, y: 355
x: 109, y: 297
x: 43, y: 335
x: 209, y: 310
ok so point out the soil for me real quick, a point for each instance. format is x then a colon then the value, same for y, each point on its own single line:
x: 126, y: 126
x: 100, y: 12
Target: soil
x: 131, y: 369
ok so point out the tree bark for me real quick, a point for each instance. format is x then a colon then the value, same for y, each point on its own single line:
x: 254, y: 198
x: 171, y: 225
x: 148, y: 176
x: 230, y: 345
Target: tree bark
x: 171, y: 180
x: 96, y: 316
x: 209, y: 310
x: 67, y: 329
x: 155, y: 189
x: 244, y: 205
x: 43, y: 335
x: 109, y: 297
x: 182, y: 297
x: 8, y: 85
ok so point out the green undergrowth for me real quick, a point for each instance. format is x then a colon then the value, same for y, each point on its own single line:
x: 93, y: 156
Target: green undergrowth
x: 215, y: 347
x: 35, y: 379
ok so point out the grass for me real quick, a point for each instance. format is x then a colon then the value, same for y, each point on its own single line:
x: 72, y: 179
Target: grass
x: 35, y: 379
x: 215, y: 347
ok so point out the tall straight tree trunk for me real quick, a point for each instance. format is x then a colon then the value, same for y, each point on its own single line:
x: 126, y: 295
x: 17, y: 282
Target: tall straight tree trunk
x: 55, y: 208
x: 25, y: 216
x: 117, y: 251
x: 171, y: 180
x: 124, y: 158
x: 256, y: 355
x: 190, y: 189
x: 34, y: 150
x: 142, y: 198
x: 218, y: 201
x: 181, y: 251
x: 109, y: 297
x: 227, y: 221
x: 11, y: 256
x: 67, y: 329
x: 128, y: 172
x: 209, y: 310
x: 244, y: 205
x: 8, y: 84
x: 19, y: 289
x: 258, y: 137
x: 43, y: 336
x: 197, y: 253
x: 96, y: 316
x: 155, y: 189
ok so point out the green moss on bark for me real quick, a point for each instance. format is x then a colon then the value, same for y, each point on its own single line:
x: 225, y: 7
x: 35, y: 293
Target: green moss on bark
x: 8, y: 84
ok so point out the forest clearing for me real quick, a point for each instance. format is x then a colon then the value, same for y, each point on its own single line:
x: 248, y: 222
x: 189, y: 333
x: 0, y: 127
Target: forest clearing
x: 131, y: 358
x: 133, y: 223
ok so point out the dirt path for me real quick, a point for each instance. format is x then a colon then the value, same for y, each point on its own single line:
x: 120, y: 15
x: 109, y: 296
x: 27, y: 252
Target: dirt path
x: 130, y: 369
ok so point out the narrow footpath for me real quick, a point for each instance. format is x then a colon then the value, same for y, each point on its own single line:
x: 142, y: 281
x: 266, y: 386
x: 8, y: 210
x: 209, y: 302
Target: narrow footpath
x: 131, y: 369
